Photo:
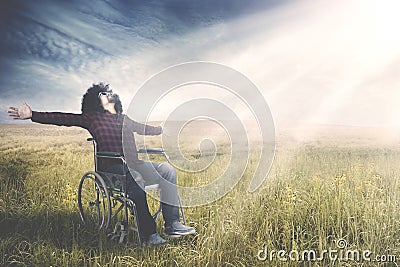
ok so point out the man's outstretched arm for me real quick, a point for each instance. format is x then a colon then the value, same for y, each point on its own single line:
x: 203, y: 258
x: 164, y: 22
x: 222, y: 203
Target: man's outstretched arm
x: 142, y: 129
x: 55, y: 118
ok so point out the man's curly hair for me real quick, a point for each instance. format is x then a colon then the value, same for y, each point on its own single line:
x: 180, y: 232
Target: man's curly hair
x: 91, y: 101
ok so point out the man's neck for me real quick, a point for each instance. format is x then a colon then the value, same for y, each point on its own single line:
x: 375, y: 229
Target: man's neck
x: 110, y: 108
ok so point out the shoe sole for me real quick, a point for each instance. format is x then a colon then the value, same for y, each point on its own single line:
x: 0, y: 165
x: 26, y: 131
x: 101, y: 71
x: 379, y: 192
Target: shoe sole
x: 172, y: 235
x: 176, y: 235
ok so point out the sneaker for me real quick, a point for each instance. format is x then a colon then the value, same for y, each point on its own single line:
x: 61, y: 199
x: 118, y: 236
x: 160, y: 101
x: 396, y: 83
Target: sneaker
x: 154, y: 239
x: 176, y: 229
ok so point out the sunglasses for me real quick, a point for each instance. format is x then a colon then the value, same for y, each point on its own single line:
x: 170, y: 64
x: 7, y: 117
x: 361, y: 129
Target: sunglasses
x: 105, y: 93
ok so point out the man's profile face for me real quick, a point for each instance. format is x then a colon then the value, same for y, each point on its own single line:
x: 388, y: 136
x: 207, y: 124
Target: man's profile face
x: 106, y: 97
x: 112, y: 98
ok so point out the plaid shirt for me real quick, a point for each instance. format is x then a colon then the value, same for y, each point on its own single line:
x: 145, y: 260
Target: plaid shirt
x: 106, y: 128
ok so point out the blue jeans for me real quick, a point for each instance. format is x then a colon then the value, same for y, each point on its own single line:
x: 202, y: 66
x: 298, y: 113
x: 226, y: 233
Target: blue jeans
x: 164, y: 174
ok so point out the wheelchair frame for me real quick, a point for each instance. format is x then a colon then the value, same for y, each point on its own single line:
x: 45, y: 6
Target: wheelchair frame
x: 102, y: 197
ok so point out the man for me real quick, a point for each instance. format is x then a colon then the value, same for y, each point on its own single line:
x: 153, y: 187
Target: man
x: 102, y: 117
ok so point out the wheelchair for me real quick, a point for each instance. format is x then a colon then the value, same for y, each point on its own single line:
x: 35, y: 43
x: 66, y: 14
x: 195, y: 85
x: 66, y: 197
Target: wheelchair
x: 103, y: 200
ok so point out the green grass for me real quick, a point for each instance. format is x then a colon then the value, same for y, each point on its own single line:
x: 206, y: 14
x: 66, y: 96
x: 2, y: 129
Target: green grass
x: 316, y: 193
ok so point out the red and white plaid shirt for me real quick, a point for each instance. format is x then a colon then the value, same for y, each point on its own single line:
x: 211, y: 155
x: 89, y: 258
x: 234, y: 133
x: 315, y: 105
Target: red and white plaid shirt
x: 106, y: 128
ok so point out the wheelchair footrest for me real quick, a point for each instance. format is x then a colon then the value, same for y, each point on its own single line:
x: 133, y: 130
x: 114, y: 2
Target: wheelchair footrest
x: 120, y: 232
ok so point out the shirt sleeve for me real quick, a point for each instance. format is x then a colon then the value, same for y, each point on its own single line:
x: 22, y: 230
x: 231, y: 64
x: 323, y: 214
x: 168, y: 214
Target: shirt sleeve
x: 142, y: 129
x: 61, y: 119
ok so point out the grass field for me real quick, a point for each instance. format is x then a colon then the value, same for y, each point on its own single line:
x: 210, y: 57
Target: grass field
x: 335, y: 190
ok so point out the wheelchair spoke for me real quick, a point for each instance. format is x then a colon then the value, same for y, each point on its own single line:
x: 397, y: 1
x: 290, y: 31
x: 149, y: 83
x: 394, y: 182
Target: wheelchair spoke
x: 94, y: 202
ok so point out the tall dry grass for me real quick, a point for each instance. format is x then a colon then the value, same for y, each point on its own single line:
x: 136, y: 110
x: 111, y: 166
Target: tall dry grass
x: 316, y: 194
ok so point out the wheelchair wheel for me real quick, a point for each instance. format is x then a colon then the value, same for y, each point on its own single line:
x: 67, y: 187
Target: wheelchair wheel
x: 94, y: 201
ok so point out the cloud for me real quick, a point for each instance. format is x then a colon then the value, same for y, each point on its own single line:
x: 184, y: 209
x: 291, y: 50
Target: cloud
x: 317, y: 62
x: 59, y: 48
x: 321, y: 62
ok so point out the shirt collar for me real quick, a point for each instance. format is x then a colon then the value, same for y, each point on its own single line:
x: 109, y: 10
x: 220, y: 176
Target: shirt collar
x: 109, y: 113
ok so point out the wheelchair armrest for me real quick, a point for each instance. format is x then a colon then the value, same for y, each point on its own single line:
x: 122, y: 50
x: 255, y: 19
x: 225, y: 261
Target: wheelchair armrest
x: 108, y: 154
x: 151, y: 150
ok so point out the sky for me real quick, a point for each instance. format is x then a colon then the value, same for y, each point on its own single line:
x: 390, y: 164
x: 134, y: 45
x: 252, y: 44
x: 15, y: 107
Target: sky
x: 315, y: 61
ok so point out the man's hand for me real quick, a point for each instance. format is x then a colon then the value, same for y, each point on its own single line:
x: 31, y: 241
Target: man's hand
x: 23, y: 113
x: 163, y: 130
x: 139, y: 181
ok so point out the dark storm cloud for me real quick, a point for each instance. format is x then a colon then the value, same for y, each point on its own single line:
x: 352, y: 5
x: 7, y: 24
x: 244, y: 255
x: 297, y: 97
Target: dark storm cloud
x: 45, y: 43
x: 60, y: 31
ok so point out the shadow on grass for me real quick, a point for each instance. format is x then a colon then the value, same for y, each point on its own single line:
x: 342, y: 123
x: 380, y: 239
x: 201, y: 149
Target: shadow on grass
x: 48, y: 236
x: 63, y: 229
x: 28, y: 228
x: 61, y: 239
